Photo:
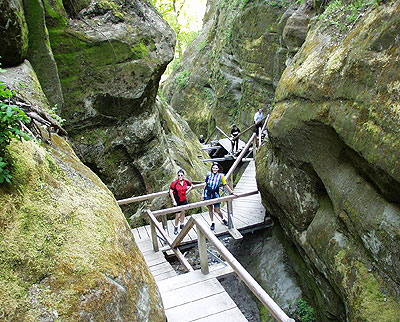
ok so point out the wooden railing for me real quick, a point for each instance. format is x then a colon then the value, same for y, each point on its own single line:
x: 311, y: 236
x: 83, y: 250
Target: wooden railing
x: 203, y: 233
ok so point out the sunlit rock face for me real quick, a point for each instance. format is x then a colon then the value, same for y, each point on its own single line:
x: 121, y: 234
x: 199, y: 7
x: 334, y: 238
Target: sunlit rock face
x: 110, y: 57
x: 330, y: 171
x: 234, y: 65
x: 67, y: 252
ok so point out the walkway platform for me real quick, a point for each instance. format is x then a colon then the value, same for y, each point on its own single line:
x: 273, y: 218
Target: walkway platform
x: 248, y: 213
x: 201, y: 295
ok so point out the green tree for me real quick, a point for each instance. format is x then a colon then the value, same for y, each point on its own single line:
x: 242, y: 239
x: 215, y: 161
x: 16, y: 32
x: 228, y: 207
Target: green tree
x: 177, y: 16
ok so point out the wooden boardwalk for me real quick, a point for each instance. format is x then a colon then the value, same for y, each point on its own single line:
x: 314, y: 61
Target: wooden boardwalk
x: 248, y: 213
x: 191, y: 296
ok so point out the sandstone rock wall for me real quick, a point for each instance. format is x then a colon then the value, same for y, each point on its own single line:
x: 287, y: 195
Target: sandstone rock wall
x: 330, y: 171
x: 67, y: 252
x: 233, y: 67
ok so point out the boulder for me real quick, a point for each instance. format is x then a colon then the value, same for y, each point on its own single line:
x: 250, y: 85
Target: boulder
x: 67, y: 251
x: 13, y: 33
x: 233, y: 66
x: 331, y: 171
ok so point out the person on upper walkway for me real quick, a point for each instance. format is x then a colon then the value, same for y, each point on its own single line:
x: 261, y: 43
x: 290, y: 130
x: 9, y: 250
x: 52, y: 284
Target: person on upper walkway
x: 258, y: 116
x: 211, y: 191
x: 178, y: 191
x: 235, y: 142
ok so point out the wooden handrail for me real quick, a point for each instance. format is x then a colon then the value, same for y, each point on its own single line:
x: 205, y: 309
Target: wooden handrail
x: 200, y: 185
x: 251, y: 283
x: 153, y: 195
x: 249, y: 128
x: 223, y: 133
x: 201, y: 203
x: 240, y: 157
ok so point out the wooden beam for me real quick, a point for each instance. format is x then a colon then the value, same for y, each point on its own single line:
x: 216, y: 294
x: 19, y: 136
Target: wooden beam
x: 177, y: 252
x: 241, y: 155
x: 209, y: 137
x: 201, y: 241
x: 223, y: 133
x: 152, y: 195
x: 183, y: 233
x: 202, y: 203
x: 154, y: 236
x: 251, y: 283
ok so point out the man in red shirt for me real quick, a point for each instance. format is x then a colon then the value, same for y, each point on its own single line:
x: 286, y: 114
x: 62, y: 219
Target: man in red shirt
x: 177, y: 191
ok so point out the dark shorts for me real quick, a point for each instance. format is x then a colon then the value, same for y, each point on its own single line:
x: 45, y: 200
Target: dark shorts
x: 209, y: 196
x: 181, y: 203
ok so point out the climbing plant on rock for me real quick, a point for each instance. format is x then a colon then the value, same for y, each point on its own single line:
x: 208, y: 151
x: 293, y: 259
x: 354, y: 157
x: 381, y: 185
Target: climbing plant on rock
x: 11, y: 120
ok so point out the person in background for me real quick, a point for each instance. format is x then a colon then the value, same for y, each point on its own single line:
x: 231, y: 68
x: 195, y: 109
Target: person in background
x: 201, y: 139
x: 177, y: 191
x: 235, y: 142
x: 211, y: 191
x: 257, y: 120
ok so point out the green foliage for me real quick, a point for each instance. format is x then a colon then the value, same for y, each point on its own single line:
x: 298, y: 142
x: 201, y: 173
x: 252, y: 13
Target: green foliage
x: 10, y: 118
x: 343, y: 14
x: 304, y: 312
x: 182, y: 79
x: 54, y: 115
x: 174, y: 13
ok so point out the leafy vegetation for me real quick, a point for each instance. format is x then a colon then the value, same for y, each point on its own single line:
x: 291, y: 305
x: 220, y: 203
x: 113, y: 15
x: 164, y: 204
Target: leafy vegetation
x: 173, y: 11
x: 344, y: 14
x: 182, y: 79
x: 304, y: 312
x: 11, y: 118
x: 54, y: 115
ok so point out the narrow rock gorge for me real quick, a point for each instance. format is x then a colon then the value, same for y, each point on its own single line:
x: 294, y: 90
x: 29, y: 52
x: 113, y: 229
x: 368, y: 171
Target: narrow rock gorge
x: 327, y: 72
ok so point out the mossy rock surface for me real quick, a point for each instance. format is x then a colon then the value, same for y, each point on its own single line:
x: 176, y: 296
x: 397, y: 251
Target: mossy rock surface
x: 335, y: 124
x: 67, y: 250
x: 13, y: 33
x: 232, y: 67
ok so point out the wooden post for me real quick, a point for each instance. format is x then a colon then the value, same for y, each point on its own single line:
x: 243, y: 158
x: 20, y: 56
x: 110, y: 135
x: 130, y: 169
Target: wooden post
x: 201, y: 241
x: 229, y: 204
x: 164, y: 222
x: 254, y: 146
x: 251, y: 283
x: 154, y: 237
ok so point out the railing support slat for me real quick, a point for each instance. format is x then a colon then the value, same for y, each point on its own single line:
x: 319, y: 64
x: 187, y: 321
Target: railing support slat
x: 201, y: 241
x: 177, y: 252
x: 154, y: 236
x: 251, y: 283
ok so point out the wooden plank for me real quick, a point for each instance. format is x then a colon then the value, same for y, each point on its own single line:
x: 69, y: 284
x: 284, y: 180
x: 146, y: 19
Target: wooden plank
x: 231, y: 315
x: 155, y: 261
x: 135, y: 234
x: 163, y: 267
x: 164, y: 276
x: 143, y: 233
x: 183, y: 280
x: 153, y: 255
x: 191, y: 293
x: 198, y: 309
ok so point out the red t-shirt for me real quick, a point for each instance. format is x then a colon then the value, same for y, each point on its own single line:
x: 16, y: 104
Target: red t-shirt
x: 181, y: 189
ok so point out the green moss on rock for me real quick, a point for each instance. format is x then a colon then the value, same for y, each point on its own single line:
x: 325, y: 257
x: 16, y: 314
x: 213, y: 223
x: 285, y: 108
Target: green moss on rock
x: 65, y: 243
